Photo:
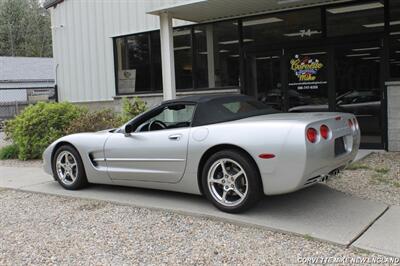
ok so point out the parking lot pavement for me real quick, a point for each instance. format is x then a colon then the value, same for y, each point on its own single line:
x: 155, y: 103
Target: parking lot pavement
x: 384, y: 234
x: 318, y: 212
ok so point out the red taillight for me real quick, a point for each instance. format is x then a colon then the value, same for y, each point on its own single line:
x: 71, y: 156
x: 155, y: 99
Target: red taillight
x: 312, y: 135
x: 325, y: 132
x: 350, y: 123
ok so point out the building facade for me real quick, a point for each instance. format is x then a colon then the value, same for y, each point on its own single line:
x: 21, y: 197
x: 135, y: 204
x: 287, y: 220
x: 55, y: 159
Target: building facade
x: 24, y: 80
x: 297, y: 55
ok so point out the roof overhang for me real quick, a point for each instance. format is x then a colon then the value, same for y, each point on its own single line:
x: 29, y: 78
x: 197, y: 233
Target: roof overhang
x: 51, y: 3
x: 212, y: 10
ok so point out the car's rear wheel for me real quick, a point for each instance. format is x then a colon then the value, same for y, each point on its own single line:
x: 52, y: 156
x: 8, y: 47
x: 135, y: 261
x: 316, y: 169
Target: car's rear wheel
x: 68, y: 168
x: 231, y: 181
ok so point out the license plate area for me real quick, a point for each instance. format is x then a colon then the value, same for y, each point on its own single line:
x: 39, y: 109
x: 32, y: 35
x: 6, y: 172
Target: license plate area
x: 340, y: 147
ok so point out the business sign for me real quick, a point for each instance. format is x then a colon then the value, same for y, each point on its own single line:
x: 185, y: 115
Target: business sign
x: 126, y: 81
x: 307, y: 72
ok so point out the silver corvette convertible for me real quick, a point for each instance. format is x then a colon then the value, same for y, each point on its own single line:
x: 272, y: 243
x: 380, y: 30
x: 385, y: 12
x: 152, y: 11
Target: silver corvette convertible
x: 230, y: 148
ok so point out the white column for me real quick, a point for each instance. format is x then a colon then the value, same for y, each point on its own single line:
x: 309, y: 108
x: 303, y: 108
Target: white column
x: 167, y: 56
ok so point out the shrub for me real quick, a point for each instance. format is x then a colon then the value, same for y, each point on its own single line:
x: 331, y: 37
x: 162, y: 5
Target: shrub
x: 132, y: 108
x: 39, y: 125
x: 94, y: 121
x: 9, y: 152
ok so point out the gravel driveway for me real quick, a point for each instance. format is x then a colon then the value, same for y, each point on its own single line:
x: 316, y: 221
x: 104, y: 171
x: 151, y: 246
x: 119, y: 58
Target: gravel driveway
x: 43, y: 229
x: 376, y: 177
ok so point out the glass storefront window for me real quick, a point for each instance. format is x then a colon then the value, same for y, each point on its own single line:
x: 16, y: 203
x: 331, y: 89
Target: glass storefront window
x: 156, y: 72
x: 217, y: 55
x: 183, y: 58
x: 202, y: 56
x: 133, y: 64
x: 358, y: 18
x: 394, y: 58
x: 282, y: 27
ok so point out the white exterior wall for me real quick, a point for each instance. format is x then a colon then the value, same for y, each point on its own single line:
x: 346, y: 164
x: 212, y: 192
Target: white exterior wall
x: 83, y: 47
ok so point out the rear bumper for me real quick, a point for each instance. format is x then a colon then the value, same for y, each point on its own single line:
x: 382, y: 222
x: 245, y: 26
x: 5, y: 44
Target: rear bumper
x: 313, y: 163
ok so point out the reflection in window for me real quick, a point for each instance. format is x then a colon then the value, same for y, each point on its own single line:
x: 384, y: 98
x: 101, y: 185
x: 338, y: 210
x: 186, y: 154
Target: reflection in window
x: 360, y: 18
x: 138, y: 66
x: 357, y: 83
x: 217, y: 55
x: 183, y: 58
x: 394, y: 59
x: 202, y: 57
x: 282, y: 27
x: 156, y: 74
x: 133, y: 61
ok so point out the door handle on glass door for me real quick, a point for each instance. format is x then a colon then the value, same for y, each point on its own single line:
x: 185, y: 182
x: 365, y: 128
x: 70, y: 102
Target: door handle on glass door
x: 175, y: 137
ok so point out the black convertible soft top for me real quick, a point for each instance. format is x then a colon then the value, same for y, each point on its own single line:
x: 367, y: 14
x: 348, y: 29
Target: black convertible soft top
x: 213, y: 109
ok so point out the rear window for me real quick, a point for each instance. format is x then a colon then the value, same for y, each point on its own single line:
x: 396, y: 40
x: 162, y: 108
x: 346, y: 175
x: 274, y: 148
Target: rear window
x: 229, y: 109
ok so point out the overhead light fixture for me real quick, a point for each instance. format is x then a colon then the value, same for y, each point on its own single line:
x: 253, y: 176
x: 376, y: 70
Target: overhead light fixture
x: 261, y: 21
x: 203, y: 53
x: 224, y: 51
x: 182, y: 48
x: 366, y: 49
x: 356, y: 55
x: 283, y: 2
x: 316, y: 53
x: 395, y: 33
x: 361, y: 7
x: 397, y: 52
x: 234, y: 55
x: 371, y: 58
x: 381, y: 24
x: 236, y: 41
x: 267, y: 57
x: 184, y: 32
x: 303, y: 33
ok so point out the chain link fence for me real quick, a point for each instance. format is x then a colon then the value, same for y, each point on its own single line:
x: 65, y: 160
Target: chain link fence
x: 13, y: 101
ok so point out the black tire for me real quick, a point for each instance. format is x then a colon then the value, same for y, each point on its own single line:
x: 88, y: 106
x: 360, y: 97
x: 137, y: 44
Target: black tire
x: 80, y: 181
x: 254, y: 184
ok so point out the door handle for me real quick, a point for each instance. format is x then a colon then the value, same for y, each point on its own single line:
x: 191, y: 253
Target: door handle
x: 175, y: 137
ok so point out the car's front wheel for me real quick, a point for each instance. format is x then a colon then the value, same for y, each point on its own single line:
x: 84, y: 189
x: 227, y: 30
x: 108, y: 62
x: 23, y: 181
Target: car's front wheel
x: 231, y: 181
x: 68, y: 168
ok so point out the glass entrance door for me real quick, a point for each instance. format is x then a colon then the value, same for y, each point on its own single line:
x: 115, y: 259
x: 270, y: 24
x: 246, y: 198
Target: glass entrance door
x: 307, y: 71
x: 358, y: 88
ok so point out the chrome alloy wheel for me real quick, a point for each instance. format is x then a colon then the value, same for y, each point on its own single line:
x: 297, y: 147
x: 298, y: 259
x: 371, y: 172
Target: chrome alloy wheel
x: 227, y: 182
x: 67, y: 167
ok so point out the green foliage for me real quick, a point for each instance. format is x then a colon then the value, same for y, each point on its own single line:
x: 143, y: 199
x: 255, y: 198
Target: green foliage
x: 24, y: 29
x: 382, y: 170
x: 39, y: 125
x: 132, y: 108
x: 94, y: 121
x: 358, y: 166
x: 9, y: 152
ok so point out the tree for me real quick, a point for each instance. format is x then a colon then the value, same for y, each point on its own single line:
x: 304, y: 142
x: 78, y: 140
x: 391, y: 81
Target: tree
x: 24, y: 29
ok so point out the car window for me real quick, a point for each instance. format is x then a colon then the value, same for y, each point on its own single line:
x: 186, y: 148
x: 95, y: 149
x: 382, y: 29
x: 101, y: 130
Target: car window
x: 173, y: 116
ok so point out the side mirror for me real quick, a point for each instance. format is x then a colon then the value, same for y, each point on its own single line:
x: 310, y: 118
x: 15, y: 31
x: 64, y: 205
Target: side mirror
x: 128, y: 130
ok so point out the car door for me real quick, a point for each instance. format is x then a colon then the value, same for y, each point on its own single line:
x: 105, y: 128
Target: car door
x: 151, y: 155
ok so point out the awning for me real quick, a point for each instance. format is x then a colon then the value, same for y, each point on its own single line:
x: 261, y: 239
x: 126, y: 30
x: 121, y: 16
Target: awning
x: 211, y: 10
